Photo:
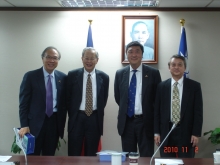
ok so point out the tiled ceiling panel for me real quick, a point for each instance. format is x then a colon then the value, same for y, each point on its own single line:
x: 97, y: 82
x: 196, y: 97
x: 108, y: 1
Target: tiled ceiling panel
x: 184, y: 3
x: 112, y: 3
x: 108, y: 3
x: 34, y: 3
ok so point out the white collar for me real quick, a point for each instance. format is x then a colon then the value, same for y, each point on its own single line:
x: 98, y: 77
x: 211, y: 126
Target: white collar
x: 180, y: 81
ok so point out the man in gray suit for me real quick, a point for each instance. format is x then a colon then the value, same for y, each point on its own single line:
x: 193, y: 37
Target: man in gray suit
x: 136, y: 109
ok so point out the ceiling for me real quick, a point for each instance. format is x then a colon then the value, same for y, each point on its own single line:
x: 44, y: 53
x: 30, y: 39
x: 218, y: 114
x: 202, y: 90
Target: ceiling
x: 112, y: 3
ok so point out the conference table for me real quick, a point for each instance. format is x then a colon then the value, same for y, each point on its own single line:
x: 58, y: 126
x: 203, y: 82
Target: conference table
x: 86, y: 160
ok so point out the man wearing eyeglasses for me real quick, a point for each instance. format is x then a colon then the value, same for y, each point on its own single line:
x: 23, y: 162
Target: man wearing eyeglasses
x: 87, y: 94
x: 42, y: 109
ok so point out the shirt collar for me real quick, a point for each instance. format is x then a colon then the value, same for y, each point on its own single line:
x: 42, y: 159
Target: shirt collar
x: 46, y: 73
x: 180, y: 81
x: 91, y: 73
x: 139, y: 69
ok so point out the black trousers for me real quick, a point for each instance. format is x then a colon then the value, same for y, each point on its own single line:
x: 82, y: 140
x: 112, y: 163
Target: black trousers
x: 47, y: 140
x: 85, y: 131
x: 175, y: 148
x: 135, y: 135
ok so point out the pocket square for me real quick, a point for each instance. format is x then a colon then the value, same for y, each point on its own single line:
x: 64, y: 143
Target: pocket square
x: 146, y: 76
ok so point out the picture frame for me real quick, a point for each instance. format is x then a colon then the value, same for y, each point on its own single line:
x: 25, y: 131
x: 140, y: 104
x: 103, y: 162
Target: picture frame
x: 145, y: 30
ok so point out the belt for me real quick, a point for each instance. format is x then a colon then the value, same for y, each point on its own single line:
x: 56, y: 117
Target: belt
x: 82, y: 111
x: 136, y: 116
x: 171, y: 124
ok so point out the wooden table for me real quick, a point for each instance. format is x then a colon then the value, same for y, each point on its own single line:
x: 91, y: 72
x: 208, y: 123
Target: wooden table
x: 85, y: 160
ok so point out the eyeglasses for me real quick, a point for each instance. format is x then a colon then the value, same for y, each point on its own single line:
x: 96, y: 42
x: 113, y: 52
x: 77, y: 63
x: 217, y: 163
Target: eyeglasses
x: 52, y: 58
x: 88, y: 59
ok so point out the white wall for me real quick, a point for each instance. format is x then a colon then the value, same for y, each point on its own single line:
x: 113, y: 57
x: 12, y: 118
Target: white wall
x: 25, y: 34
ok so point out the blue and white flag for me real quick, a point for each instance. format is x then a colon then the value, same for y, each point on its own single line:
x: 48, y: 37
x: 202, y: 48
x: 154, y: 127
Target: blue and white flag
x: 89, y: 38
x: 183, y: 50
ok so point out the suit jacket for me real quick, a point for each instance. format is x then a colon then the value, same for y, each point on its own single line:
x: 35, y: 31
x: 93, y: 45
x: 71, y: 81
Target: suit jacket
x: 191, y: 116
x: 32, y: 100
x: 74, y: 95
x: 150, y: 79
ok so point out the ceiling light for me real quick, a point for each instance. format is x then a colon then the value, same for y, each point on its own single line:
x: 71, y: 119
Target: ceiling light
x: 109, y: 3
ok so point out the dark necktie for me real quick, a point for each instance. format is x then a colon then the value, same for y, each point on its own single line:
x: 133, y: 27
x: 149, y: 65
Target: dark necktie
x: 89, y: 98
x: 132, y: 94
x: 175, y: 104
x: 49, y: 97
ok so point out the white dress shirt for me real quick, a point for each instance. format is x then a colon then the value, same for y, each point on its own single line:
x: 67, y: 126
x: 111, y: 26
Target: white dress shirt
x: 138, y: 96
x: 180, y: 88
x: 94, y: 89
x: 54, y: 87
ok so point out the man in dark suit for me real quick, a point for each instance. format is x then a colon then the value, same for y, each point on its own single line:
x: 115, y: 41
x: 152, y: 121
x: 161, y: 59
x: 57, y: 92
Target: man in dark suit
x: 186, y: 111
x: 42, y: 111
x: 135, y: 123
x: 87, y: 94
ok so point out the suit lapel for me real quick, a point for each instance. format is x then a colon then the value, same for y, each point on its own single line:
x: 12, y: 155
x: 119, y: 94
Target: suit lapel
x: 99, y: 81
x: 167, y: 95
x: 145, y: 80
x: 125, y: 80
x: 125, y: 85
x: 58, y: 85
x: 41, y: 83
x: 79, y: 78
x: 185, y: 96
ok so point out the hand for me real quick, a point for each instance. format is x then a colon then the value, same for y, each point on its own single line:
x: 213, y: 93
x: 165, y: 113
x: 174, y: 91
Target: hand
x: 194, y: 140
x: 157, y: 140
x: 23, y: 131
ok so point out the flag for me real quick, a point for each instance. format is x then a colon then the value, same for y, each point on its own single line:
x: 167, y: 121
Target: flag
x: 90, y: 44
x: 89, y: 37
x: 183, y: 50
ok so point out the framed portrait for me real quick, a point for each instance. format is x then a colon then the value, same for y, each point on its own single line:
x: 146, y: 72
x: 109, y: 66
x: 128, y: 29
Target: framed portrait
x: 143, y: 29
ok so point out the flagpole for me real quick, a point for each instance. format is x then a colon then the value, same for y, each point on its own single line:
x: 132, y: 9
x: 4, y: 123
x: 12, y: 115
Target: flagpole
x: 183, y: 47
x: 89, y: 44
